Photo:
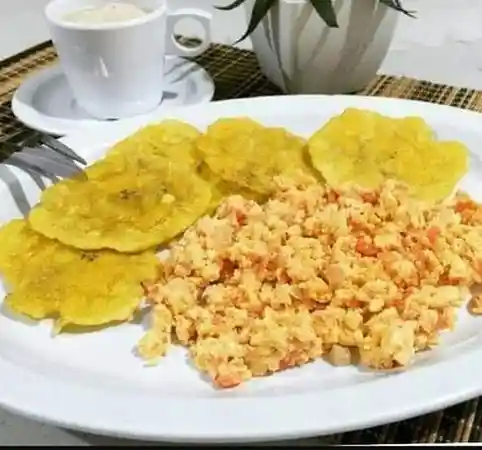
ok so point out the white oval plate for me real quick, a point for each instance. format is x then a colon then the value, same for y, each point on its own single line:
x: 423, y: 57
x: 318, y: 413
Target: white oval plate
x: 45, y: 101
x: 94, y: 382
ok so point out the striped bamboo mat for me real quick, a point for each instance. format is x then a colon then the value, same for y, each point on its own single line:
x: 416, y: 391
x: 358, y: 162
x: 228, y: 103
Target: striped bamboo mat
x: 236, y: 74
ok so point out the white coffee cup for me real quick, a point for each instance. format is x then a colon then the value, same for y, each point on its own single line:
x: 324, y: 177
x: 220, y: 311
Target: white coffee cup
x: 116, y: 69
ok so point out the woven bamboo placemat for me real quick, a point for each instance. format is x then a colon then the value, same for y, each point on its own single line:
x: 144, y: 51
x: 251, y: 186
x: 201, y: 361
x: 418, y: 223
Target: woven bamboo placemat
x: 236, y: 74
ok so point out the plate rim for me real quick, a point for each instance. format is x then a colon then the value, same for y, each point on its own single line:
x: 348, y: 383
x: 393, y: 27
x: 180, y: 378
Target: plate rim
x: 296, y: 415
x: 30, y: 117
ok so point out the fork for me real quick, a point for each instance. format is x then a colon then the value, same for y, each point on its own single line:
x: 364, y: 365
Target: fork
x: 45, y: 156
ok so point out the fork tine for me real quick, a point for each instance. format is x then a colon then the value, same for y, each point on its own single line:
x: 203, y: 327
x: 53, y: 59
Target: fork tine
x: 26, y: 166
x: 61, y: 148
x: 48, y: 153
x: 47, y: 165
x: 58, y: 165
x: 37, y: 149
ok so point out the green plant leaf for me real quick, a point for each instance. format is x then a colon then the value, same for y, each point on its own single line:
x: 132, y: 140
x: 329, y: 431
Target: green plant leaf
x: 260, y: 9
x: 231, y: 6
x: 397, y: 6
x: 325, y: 10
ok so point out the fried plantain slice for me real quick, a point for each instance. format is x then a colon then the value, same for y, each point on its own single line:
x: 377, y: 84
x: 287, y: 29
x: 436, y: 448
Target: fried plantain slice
x: 128, y: 204
x: 367, y: 148
x: 247, y: 156
x: 434, y: 170
x: 171, y: 140
x: 221, y: 189
x: 51, y: 280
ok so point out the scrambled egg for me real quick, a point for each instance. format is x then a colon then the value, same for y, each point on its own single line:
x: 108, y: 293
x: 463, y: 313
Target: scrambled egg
x: 352, y: 274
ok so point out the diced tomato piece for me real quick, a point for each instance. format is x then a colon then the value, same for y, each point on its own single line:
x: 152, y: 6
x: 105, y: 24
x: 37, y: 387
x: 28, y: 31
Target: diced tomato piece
x: 463, y: 205
x: 353, y: 303
x: 370, y: 197
x: 366, y: 248
x: 332, y: 196
x: 226, y: 382
x: 432, y: 234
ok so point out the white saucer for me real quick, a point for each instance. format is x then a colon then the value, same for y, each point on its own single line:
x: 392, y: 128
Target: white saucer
x: 45, y: 102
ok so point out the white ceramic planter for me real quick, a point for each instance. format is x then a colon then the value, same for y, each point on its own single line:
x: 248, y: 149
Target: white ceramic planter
x: 298, y: 52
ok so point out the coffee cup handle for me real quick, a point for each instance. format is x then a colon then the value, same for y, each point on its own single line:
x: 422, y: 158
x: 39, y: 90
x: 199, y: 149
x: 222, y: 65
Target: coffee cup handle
x: 173, y: 47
